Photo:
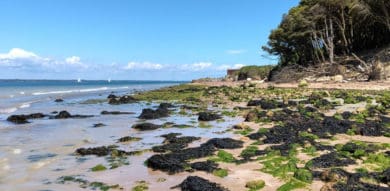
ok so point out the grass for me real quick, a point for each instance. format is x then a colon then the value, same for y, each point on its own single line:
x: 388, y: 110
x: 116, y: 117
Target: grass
x: 379, y: 161
x: 310, y: 150
x: 223, y: 156
x: 184, y: 92
x: 291, y: 185
x: 303, y: 175
x: 204, y: 125
x: 85, y: 184
x: 249, y: 152
x: 98, y: 167
x: 244, y: 132
x: 229, y: 113
x: 255, y: 185
x: 141, y: 186
x: 307, y: 135
x: 220, y: 173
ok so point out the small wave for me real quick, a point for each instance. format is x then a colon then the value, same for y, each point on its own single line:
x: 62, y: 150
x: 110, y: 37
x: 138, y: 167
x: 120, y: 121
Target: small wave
x: 94, y: 89
x: 79, y: 90
x: 25, y: 105
x: 8, y: 110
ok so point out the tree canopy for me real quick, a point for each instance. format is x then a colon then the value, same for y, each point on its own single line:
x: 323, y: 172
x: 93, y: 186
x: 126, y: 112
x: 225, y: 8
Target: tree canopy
x: 319, y: 31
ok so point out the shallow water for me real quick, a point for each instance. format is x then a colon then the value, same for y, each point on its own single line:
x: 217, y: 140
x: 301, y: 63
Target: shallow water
x: 33, y: 156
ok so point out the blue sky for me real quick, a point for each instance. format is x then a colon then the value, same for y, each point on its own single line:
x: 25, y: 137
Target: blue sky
x: 134, y: 39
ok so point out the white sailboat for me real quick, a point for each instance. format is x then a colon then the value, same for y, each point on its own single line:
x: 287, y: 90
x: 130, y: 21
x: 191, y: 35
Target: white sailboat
x: 79, y: 80
x: 109, y: 80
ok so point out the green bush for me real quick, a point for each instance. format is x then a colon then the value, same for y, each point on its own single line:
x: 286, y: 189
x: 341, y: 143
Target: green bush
x: 254, y: 72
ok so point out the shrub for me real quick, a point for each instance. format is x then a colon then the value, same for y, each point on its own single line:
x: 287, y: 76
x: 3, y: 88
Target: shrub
x: 254, y: 72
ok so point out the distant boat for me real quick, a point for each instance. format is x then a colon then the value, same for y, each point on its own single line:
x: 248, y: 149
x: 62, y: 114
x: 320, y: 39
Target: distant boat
x: 79, y: 80
x: 109, y: 80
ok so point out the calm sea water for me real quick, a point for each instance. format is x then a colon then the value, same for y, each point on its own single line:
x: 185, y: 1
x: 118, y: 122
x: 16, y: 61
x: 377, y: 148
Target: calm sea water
x: 19, y: 94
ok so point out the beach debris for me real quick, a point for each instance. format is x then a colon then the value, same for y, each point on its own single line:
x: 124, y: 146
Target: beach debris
x: 23, y: 119
x: 208, y: 116
x: 196, y: 183
x: 146, y: 126
x: 116, y: 113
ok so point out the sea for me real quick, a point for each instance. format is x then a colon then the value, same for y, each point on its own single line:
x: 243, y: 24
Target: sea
x: 34, y: 156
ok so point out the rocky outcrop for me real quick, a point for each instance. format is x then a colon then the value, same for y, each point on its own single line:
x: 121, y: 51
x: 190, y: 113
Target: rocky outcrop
x: 23, y: 119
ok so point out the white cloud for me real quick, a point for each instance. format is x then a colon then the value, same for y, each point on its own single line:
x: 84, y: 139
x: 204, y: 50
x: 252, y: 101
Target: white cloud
x: 17, y: 53
x: 26, y: 60
x: 240, y: 51
x: 197, y: 66
x: 143, y: 65
x: 73, y: 60
x: 235, y: 66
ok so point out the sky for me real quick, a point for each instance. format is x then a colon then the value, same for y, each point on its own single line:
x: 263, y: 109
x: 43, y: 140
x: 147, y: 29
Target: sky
x: 134, y: 39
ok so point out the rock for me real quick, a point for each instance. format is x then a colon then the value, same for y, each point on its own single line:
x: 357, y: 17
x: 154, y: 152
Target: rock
x: 166, y: 105
x: 251, y: 116
x: 23, y: 119
x: 116, y: 113
x: 66, y: 115
x: 266, y: 104
x: 100, y: 151
x: 176, y: 162
x: 58, y: 100
x: 111, y: 96
x: 195, y: 183
x: 168, y: 163
x: 18, y: 119
x: 99, y: 125
x: 63, y: 115
x: 331, y: 160
x: 174, y: 143
x: 146, y: 126
x: 208, y: 116
x: 225, y: 143
x: 154, y: 114
x: 121, y: 100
